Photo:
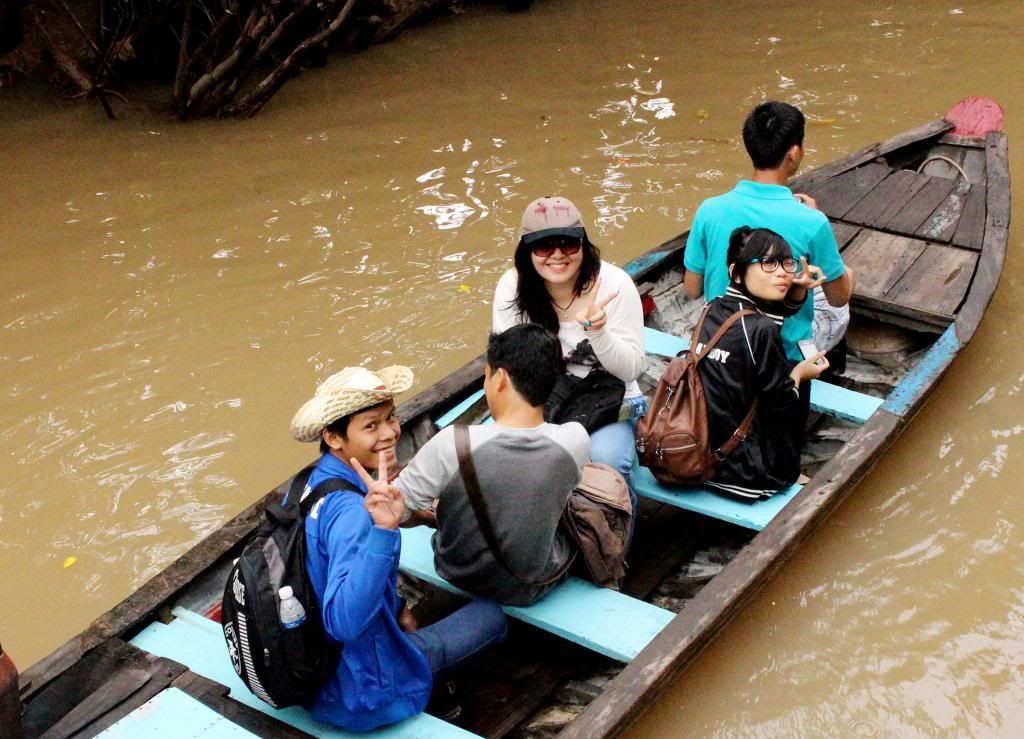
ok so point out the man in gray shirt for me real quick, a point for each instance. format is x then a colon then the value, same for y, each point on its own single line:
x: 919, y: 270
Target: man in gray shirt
x: 526, y: 469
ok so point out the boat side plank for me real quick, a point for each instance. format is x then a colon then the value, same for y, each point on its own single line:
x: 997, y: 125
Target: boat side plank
x: 993, y: 251
x: 908, y: 138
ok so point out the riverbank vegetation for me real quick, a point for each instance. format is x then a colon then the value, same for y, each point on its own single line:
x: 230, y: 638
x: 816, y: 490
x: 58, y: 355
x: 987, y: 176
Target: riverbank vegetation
x: 217, y: 57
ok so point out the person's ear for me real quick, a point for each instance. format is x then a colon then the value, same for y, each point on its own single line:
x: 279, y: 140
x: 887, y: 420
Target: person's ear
x: 503, y: 379
x: 332, y: 439
x: 732, y: 274
x: 795, y: 154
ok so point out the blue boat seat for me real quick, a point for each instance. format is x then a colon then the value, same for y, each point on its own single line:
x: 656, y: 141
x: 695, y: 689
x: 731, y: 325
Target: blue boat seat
x: 174, y: 713
x: 198, y: 643
x: 825, y: 398
x: 754, y: 515
x: 606, y: 621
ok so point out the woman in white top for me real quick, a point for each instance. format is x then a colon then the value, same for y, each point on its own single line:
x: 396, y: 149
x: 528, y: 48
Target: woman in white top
x: 560, y: 282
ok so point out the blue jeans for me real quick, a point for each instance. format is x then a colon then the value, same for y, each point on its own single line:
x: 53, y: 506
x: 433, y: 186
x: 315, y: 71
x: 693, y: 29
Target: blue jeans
x: 615, y: 446
x: 458, y: 639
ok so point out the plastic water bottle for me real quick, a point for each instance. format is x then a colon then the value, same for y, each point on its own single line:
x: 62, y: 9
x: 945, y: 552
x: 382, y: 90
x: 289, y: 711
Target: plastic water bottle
x: 291, y: 611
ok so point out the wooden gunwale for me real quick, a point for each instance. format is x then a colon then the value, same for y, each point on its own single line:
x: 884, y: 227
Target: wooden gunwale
x: 693, y: 629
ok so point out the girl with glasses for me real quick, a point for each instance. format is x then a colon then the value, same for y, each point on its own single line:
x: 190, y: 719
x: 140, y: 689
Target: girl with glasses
x: 749, y: 363
x: 560, y: 282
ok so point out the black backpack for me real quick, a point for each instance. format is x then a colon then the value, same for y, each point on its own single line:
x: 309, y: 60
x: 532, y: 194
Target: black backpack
x: 281, y: 666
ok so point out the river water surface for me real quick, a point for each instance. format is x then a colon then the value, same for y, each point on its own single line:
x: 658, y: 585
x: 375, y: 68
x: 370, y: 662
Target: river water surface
x: 172, y: 293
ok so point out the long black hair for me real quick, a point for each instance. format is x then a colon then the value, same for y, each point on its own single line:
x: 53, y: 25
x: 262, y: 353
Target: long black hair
x: 532, y: 298
x: 747, y: 244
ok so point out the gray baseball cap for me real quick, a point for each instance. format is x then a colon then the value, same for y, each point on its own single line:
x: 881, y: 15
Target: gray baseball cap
x: 551, y: 216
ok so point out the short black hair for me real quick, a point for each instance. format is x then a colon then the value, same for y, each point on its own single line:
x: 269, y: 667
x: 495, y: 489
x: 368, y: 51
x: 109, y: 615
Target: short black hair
x: 339, y: 427
x: 769, y: 132
x: 532, y: 299
x: 531, y: 355
x: 747, y: 244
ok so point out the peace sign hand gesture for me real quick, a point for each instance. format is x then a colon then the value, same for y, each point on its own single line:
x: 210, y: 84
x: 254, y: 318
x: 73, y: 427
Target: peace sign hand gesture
x: 593, y: 318
x: 809, y: 276
x: 383, y: 502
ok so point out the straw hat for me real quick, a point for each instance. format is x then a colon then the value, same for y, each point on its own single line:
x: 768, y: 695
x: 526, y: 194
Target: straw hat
x: 345, y: 392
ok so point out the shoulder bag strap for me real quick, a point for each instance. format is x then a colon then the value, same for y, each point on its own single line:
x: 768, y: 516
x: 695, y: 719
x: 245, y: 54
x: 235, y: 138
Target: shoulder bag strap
x: 326, y: 487
x: 744, y: 428
x: 472, y: 486
x: 726, y: 325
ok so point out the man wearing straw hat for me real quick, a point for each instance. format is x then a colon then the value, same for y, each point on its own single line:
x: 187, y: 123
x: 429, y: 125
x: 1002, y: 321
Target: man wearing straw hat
x: 387, y: 666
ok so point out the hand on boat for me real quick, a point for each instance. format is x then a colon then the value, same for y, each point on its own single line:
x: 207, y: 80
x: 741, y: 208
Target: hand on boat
x: 809, y: 276
x: 384, y: 502
x: 593, y: 318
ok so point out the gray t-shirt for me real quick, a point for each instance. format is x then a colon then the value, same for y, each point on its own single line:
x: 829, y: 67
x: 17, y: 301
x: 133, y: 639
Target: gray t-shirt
x: 525, y: 476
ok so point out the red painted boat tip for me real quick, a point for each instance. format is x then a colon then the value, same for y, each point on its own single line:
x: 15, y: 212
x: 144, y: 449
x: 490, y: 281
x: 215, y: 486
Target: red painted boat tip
x: 975, y: 116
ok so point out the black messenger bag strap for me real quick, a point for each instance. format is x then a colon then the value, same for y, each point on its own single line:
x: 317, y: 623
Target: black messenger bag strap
x: 467, y: 469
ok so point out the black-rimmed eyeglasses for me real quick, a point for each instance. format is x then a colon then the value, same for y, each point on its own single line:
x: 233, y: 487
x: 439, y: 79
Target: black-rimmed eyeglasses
x: 770, y: 264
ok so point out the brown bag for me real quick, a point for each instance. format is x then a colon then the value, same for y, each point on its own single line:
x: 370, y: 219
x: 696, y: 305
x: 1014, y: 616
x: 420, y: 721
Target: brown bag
x: 599, y: 516
x: 672, y: 439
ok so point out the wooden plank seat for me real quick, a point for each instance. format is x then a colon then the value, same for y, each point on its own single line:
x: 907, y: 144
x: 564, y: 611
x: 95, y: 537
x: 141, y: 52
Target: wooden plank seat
x: 197, y: 642
x: 174, y: 713
x: 826, y: 398
x: 605, y: 621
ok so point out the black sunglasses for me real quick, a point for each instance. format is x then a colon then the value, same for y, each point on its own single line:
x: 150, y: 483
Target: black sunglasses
x: 547, y: 247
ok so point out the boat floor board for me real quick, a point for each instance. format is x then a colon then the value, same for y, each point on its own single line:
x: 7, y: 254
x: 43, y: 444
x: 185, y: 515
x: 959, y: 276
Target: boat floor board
x: 913, y: 215
x: 937, y: 281
x: 198, y: 643
x: 603, y: 620
x: 176, y: 714
x: 838, y: 195
x: 110, y: 681
x: 880, y: 260
x: 825, y: 398
x: 970, y: 230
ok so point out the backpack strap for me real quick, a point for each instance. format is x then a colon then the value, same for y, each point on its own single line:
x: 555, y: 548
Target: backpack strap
x: 744, y: 428
x: 472, y: 486
x: 726, y: 325
x: 325, y: 488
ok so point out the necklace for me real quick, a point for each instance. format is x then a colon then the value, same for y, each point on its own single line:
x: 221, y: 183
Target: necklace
x: 565, y: 310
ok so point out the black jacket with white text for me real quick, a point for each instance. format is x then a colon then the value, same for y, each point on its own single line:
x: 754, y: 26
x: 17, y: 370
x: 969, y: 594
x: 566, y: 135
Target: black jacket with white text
x: 749, y: 362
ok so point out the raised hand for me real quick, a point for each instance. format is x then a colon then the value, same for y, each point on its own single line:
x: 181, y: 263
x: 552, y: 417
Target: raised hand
x: 809, y: 276
x: 593, y: 318
x: 806, y: 200
x: 383, y: 502
x: 809, y: 369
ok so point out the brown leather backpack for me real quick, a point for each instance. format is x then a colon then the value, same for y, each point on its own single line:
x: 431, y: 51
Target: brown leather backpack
x: 672, y: 439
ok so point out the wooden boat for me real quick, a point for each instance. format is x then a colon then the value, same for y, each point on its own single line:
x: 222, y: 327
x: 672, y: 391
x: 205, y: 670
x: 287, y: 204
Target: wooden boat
x: 923, y: 217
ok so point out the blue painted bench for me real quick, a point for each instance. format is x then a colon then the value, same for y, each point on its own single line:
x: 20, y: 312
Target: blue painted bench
x: 825, y: 398
x: 606, y: 621
x: 174, y: 713
x: 197, y: 643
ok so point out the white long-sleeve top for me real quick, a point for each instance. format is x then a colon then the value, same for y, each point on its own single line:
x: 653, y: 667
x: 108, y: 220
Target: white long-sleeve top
x: 618, y: 346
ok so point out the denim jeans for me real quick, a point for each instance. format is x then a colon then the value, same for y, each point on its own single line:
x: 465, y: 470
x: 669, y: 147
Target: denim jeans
x: 458, y: 639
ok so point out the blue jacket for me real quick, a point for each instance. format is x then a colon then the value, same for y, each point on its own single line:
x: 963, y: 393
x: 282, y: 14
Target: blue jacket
x: 353, y: 564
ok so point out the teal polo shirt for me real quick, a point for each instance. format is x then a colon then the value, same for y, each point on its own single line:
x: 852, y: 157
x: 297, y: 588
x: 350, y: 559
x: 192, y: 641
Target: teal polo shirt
x: 756, y: 205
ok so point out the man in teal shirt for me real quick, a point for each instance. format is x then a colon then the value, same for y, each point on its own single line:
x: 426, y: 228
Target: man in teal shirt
x: 773, y: 135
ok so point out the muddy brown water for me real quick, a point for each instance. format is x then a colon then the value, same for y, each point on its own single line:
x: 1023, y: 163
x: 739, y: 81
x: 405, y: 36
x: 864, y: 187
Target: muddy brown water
x: 172, y: 294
